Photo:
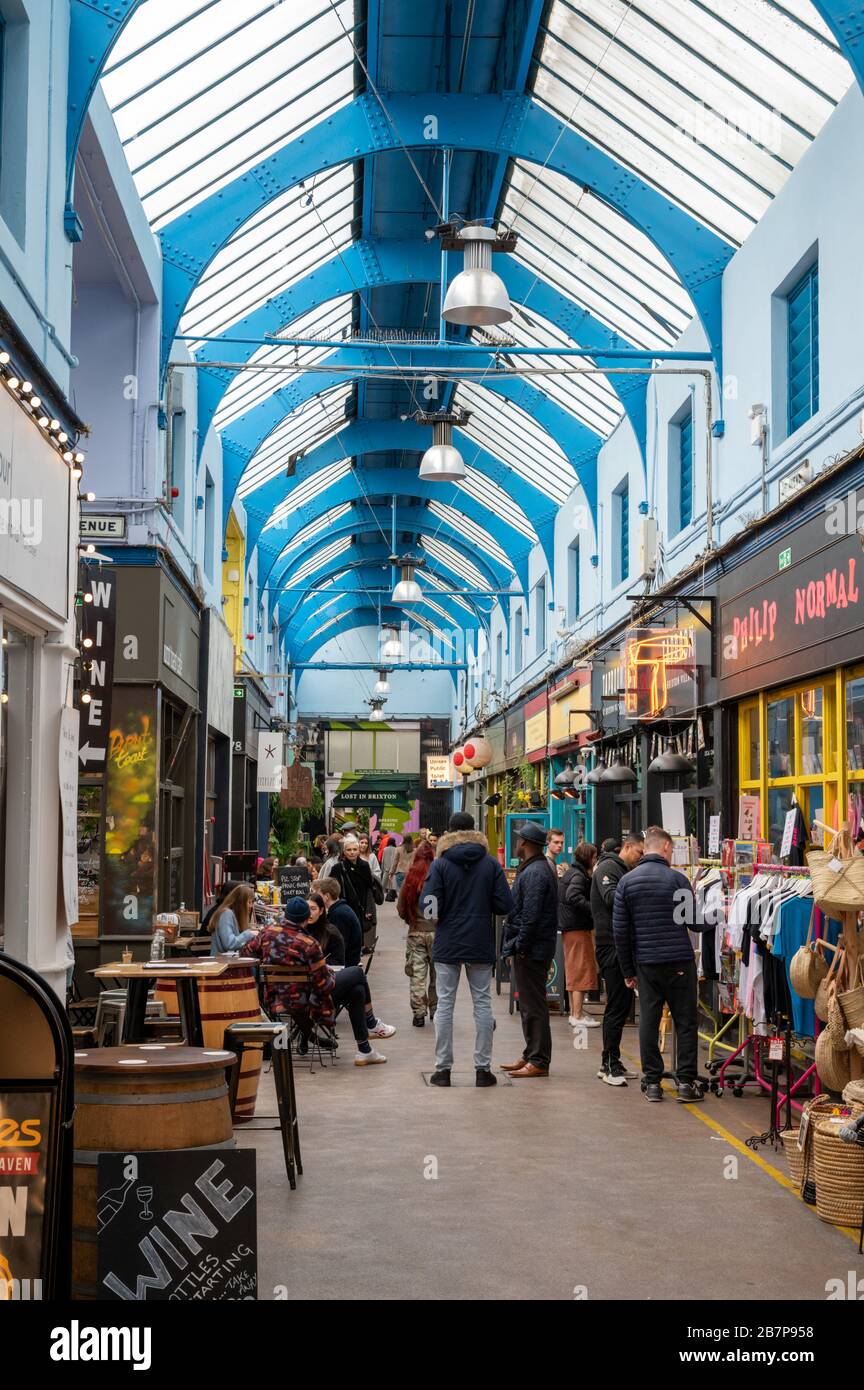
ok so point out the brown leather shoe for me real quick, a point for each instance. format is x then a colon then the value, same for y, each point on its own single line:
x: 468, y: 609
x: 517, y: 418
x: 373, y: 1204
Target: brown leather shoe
x: 529, y: 1069
x: 513, y: 1066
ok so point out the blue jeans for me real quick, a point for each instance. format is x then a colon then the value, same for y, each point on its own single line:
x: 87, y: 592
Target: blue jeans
x: 480, y: 984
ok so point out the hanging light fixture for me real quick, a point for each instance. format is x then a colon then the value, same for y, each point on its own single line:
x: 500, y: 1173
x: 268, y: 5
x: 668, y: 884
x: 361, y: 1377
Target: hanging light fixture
x: 596, y: 773
x: 382, y: 685
x: 564, y: 780
x: 442, y: 462
x: 671, y: 760
x: 377, y: 715
x: 407, y: 589
x: 619, y: 772
x: 392, y: 647
x: 477, y: 297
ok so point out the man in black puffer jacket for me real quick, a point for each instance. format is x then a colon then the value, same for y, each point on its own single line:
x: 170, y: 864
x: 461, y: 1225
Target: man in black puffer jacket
x: 533, y: 930
x: 611, y: 868
x: 653, y: 908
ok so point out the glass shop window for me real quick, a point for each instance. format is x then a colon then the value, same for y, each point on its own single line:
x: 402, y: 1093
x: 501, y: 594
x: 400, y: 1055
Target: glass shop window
x: 781, y: 737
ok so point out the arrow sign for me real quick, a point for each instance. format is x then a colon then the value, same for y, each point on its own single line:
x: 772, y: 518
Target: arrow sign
x: 91, y: 755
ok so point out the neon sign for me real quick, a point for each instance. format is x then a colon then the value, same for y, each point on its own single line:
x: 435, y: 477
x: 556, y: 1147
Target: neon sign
x: 656, y: 662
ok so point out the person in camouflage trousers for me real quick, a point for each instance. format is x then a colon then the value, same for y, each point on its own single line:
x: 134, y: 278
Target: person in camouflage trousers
x: 421, y: 936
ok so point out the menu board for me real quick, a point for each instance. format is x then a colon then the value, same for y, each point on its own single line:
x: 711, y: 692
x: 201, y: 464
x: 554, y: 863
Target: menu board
x: 178, y: 1225
x: 294, y: 881
x: 25, y: 1123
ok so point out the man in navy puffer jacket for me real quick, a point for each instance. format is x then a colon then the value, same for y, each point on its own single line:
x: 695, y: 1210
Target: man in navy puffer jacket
x: 653, y: 908
x: 464, y: 888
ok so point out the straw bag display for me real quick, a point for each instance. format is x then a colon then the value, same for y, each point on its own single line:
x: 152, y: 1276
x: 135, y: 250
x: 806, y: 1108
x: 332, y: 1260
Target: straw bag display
x: 794, y: 1156
x: 851, y: 1000
x: 838, y: 884
x: 836, y: 1025
x: 853, y: 1094
x: 834, y: 1068
x: 807, y: 967
x: 813, y: 1111
x: 839, y: 1170
x: 822, y: 992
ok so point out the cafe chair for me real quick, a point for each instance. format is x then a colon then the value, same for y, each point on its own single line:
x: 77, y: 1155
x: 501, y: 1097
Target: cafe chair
x: 238, y: 1037
x: 306, y: 1033
x: 111, y: 1012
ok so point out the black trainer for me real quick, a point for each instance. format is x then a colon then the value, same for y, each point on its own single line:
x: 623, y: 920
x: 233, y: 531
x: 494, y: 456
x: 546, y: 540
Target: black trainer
x: 689, y: 1093
x: 419, y: 1020
x: 485, y: 1077
x: 653, y: 1091
x: 439, y: 1078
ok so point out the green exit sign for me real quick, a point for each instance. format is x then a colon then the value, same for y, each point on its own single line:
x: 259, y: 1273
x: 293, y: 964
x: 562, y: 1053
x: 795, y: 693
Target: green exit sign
x: 785, y: 558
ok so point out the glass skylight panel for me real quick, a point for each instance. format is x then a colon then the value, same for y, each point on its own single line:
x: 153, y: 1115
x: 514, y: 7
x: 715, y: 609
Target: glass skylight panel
x: 429, y: 578
x: 712, y: 102
x: 496, y: 500
x: 314, y: 528
x: 593, y: 255
x: 285, y: 241
x: 331, y: 622
x: 476, y: 533
x: 505, y: 430
x: 313, y: 422
x: 204, y: 96
x: 588, y: 396
x: 249, y: 388
x: 309, y: 488
x: 439, y: 550
x: 316, y: 560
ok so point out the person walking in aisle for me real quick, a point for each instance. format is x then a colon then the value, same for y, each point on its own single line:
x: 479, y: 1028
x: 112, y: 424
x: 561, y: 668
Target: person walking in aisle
x: 532, y: 936
x: 576, y: 926
x: 419, y: 965
x: 611, y: 867
x: 464, y: 889
x: 360, y: 889
x: 403, y: 863
x: 652, y: 910
x: 368, y: 857
x: 332, y: 851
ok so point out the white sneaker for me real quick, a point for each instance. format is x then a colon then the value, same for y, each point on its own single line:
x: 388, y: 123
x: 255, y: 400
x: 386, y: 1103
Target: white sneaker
x: 383, y: 1030
x: 586, y: 1021
x: 369, y: 1059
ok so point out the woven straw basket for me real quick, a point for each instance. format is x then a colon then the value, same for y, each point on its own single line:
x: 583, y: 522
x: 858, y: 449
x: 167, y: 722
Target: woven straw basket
x: 853, y: 1094
x: 817, y: 1109
x: 824, y: 991
x: 851, y: 1002
x: 794, y: 1156
x: 839, y: 888
x: 834, y: 1067
x: 839, y: 1170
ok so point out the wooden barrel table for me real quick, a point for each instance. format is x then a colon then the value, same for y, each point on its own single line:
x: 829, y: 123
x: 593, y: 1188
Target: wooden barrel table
x: 133, y: 1099
x: 231, y: 997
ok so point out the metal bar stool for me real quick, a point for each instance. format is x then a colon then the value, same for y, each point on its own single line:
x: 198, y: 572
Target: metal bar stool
x: 278, y: 1036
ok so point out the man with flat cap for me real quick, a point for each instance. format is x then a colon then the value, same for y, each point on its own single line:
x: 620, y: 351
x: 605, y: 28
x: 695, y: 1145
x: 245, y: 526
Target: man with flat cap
x: 532, y: 936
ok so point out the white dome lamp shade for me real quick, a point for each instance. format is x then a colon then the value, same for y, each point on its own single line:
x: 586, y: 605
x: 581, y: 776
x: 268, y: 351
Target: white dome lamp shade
x: 442, y: 462
x: 377, y: 716
x: 407, y: 589
x: 382, y: 685
x: 477, y: 297
x: 392, y: 646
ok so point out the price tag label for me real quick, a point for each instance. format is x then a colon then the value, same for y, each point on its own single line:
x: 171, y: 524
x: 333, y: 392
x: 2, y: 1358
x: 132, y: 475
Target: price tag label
x: 835, y: 865
x: 713, y: 835
x: 788, y: 832
x: 775, y: 1050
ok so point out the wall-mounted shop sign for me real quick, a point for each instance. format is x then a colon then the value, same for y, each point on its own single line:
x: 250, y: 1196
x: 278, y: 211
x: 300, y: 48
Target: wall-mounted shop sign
x: 98, y: 626
x: 130, y: 813
x: 439, y: 773
x: 93, y: 527
x: 569, y: 703
x: 514, y: 732
x: 660, y: 677
x: 270, y: 762
x: 778, y: 626
x: 536, y: 727
x: 297, y: 787
x: 158, y: 632
x: 35, y: 498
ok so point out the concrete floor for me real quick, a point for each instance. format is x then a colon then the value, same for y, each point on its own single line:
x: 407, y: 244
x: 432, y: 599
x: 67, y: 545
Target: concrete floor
x: 548, y: 1189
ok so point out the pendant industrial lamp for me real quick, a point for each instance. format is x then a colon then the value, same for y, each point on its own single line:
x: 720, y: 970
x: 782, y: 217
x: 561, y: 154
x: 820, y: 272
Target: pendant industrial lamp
x: 442, y: 461
x: 407, y: 589
x: 377, y: 715
x: 671, y: 760
x: 618, y: 772
x: 392, y: 647
x: 596, y: 773
x: 477, y: 297
x: 382, y: 685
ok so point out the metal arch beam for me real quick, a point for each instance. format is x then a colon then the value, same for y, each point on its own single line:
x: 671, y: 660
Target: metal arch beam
x: 347, y: 624
x: 389, y: 482
x: 361, y: 437
x: 246, y: 434
x: 508, y: 123
x: 378, y: 556
x: 300, y: 627
x: 845, y: 19
x: 415, y: 519
x: 370, y: 263
x: 93, y: 31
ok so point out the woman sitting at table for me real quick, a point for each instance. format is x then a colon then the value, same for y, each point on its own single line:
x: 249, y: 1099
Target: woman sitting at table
x: 316, y: 1000
x: 231, y: 924
x: 320, y: 927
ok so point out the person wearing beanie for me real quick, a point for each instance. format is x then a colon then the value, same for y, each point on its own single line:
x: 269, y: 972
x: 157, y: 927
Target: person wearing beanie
x: 289, y: 943
x: 464, y: 889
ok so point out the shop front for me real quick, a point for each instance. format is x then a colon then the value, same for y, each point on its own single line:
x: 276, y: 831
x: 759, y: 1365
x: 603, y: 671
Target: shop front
x: 792, y: 675
x: 215, y: 734
x: 654, y: 705
x: 570, y: 796
x: 250, y: 817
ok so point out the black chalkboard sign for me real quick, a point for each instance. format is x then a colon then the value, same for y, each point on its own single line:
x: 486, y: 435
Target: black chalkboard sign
x: 294, y: 881
x: 177, y: 1225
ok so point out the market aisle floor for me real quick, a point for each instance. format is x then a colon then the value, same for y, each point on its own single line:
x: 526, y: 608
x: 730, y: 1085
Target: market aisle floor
x: 542, y: 1187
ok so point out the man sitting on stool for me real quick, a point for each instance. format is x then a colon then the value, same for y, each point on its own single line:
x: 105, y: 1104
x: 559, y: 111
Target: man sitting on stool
x: 653, y: 908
